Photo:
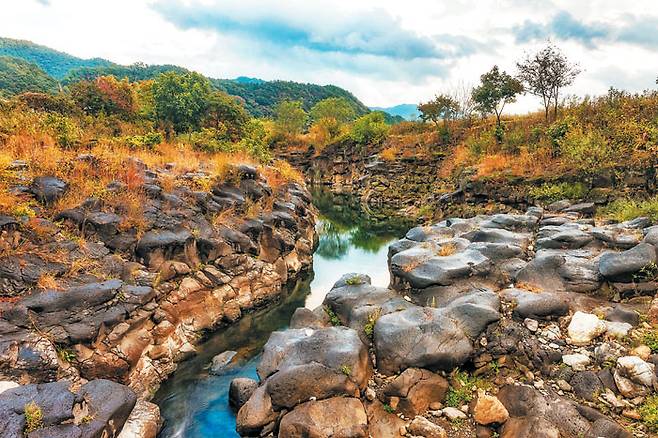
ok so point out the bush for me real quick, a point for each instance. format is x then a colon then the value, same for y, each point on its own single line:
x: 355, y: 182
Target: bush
x: 649, y: 413
x: 210, y: 140
x: 627, y: 209
x: 369, y: 129
x: 254, y: 141
x: 588, y: 151
x: 556, y: 133
x: 64, y: 130
x: 556, y: 192
x: 146, y: 141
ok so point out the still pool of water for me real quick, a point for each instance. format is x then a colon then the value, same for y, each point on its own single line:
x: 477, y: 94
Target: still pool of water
x: 193, y: 403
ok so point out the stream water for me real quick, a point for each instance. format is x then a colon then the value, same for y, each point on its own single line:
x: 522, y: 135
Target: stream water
x: 193, y: 403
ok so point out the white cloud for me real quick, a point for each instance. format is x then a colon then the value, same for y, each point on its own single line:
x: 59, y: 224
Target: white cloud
x: 385, y: 51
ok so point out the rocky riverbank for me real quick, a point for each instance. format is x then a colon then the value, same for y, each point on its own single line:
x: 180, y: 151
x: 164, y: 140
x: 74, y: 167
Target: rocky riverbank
x: 539, y: 324
x: 95, y: 312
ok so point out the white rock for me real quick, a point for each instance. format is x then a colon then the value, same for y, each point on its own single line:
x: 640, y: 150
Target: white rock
x: 453, y: 413
x: 617, y: 329
x: 576, y: 361
x: 531, y: 324
x: 634, y: 377
x: 584, y: 327
x: 7, y: 384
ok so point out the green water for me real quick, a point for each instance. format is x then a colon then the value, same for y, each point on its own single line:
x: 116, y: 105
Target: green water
x: 193, y: 403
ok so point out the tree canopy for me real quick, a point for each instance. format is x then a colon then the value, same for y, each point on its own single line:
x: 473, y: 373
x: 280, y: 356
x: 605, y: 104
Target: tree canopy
x: 496, y: 89
x: 290, y: 117
x: 442, y: 107
x: 19, y: 76
x: 545, y: 73
x: 181, y: 100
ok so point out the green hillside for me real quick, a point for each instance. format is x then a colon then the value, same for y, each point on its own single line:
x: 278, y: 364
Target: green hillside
x: 56, y: 64
x: 18, y: 76
x: 261, y: 97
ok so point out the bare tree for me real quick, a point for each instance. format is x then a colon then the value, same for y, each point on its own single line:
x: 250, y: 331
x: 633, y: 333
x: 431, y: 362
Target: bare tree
x: 462, y: 93
x: 545, y: 73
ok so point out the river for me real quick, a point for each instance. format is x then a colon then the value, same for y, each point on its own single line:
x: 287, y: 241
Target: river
x: 193, y: 403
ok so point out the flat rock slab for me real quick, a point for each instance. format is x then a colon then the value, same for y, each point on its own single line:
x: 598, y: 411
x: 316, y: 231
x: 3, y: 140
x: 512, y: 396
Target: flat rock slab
x: 334, y: 417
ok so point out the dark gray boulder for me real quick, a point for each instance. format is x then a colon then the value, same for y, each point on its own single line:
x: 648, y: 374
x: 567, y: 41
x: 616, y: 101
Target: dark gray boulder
x: 624, y: 265
x: 240, y: 390
x: 536, y: 305
x: 48, y: 189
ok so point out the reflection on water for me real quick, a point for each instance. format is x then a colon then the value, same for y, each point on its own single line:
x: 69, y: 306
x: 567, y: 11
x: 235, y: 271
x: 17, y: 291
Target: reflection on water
x: 193, y: 403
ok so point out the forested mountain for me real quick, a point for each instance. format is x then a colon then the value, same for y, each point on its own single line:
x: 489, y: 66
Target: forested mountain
x: 18, y: 76
x: 56, y: 64
x: 260, y: 97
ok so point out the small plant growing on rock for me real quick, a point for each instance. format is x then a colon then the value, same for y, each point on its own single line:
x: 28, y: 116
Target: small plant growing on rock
x: 66, y: 355
x: 354, y: 280
x: 462, y: 389
x: 647, y: 273
x: 333, y: 318
x: 33, y: 417
x: 388, y: 408
x: 649, y: 413
x: 651, y: 340
x: 369, y: 328
x: 447, y: 250
x: 345, y: 369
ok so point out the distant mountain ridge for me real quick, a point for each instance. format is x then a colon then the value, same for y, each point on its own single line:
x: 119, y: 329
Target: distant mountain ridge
x: 408, y: 111
x: 260, y: 97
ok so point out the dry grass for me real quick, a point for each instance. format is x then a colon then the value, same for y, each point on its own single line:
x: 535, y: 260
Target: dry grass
x: 48, y: 282
x: 389, y: 154
x: 447, y: 250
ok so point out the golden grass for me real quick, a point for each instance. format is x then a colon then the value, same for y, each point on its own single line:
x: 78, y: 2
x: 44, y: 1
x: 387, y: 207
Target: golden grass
x: 48, y: 282
x: 389, y: 154
x: 447, y: 249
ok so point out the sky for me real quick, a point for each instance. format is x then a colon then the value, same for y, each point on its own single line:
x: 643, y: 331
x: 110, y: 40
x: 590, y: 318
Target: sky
x: 386, y: 52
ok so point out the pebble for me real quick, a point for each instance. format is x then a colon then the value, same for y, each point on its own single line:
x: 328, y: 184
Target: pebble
x: 370, y: 394
x: 453, y: 413
x: 632, y: 414
x: 641, y: 351
x: 435, y: 406
x: 576, y: 361
x: 564, y: 385
x: 531, y: 324
x: 539, y: 384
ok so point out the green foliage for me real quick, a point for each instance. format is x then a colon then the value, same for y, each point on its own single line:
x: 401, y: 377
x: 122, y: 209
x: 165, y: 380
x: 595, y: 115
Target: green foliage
x: 54, y: 63
x: 557, y: 132
x: 181, y: 100
x: 650, y: 339
x: 227, y: 112
x: 442, y: 107
x: 255, y: 142
x: 210, y: 140
x: 647, y: 273
x: 354, y: 280
x: 462, y: 391
x: 333, y: 318
x: 649, y: 413
x: 134, y: 72
x: 627, y: 209
x: 496, y: 89
x: 290, y: 117
x: 346, y: 369
x: 556, y: 192
x: 588, y: 151
x: 369, y: 327
x: 33, y: 417
x: 64, y: 130
x: 369, y: 129
x: 338, y: 109
x: 66, y: 355
x: 261, y: 97
x: 388, y: 408
x: 19, y: 76
x: 146, y: 141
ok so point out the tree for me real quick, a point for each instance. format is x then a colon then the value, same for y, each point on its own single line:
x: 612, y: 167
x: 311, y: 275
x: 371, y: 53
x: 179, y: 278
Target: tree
x: 369, y: 129
x: 226, y: 114
x: 442, y: 107
x: 496, y: 89
x: 545, y: 73
x: 105, y: 94
x: 336, y: 108
x: 180, y: 100
x: 290, y: 117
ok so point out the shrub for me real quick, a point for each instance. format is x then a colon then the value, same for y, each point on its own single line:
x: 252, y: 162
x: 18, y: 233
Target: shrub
x: 33, y: 417
x: 556, y: 192
x: 556, y: 132
x: 587, y: 151
x: 649, y: 413
x: 333, y: 318
x: 64, y: 130
x: 369, y: 327
x: 369, y: 129
x: 389, y: 154
x: 626, y: 209
x: 146, y: 141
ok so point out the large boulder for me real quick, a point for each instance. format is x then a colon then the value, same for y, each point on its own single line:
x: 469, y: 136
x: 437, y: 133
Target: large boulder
x: 624, y: 265
x: 336, y: 417
x: 437, y: 339
x: 536, y: 305
x: 412, y: 392
x: 48, y: 189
